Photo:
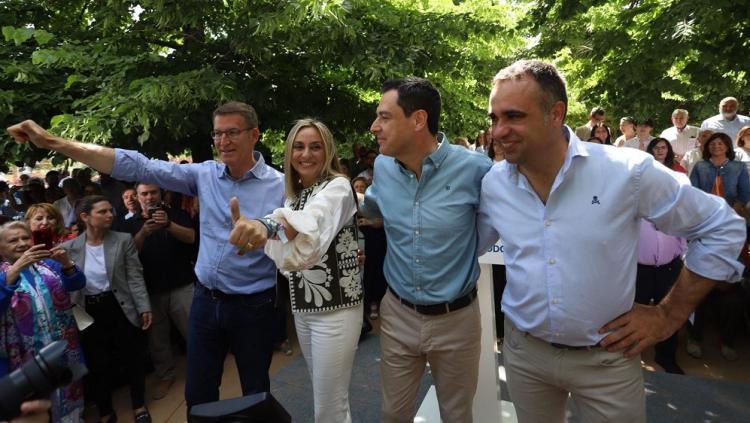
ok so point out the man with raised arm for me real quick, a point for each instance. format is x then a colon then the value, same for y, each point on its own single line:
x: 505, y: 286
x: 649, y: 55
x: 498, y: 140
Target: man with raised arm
x: 233, y: 306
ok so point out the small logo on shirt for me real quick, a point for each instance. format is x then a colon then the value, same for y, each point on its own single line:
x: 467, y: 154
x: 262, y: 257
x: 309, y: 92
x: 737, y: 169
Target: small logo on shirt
x: 447, y: 187
x: 595, y: 200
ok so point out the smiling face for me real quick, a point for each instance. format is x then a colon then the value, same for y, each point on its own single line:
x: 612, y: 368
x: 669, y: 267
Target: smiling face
x: 717, y: 149
x: 308, y: 155
x: 392, y: 128
x: 601, y: 133
x: 14, y: 243
x: 520, y: 123
x: 130, y: 199
x: 236, y: 143
x: 679, y: 120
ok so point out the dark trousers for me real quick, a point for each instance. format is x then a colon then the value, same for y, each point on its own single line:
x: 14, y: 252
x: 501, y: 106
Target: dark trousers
x: 499, y: 280
x: 110, y: 342
x: 242, y: 324
x: 653, y: 283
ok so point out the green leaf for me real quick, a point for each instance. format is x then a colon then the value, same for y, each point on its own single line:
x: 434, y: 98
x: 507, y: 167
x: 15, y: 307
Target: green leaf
x: 57, y: 120
x: 8, y: 32
x: 43, y: 37
x: 21, y: 35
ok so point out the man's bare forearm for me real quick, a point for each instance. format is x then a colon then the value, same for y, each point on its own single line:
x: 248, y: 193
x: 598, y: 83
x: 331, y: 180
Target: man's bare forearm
x: 684, y: 297
x: 96, y: 156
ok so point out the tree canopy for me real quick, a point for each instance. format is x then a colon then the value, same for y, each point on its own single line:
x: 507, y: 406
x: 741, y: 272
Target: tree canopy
x: 147, y: 74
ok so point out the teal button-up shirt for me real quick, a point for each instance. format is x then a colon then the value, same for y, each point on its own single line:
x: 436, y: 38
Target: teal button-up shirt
x: 430, y: 222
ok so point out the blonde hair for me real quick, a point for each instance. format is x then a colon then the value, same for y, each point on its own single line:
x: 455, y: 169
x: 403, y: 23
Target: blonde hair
x: 51, y: 212
x: 743, y: 132
x: 331, y: 165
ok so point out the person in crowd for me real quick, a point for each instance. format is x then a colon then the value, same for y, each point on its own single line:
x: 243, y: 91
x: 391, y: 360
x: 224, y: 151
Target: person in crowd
x: 695, y: 155
x: 660, y: 263
x: 112, y: 189
x: 571, y: 327
x: 229, y: 283
x: 728, y: 120
x: 682, y: 136
x: 426, y: 190
x: 375, y: 249
x: 367, y: 164
x: 313, y: 240
x: 480, y: 146
x: 83, y: 176
x: 7, y: 202
x: 718, y: 173
x: 600, y: 134
x: 627, y: 130
x: 116, y: 298
x: 53, y: 191
x: 595, y: 117
x: 67, y: 205
x: 495, y: 151
x: 92, y: 188
x: 164, y: 235
x: 743, y: 147
x: 35, y: 309
x: 463, y: 142
x: 662, y: 151
x: 643, y: 135
x: 132, y: 209
x: 44, y: 217
x: 33, y: 193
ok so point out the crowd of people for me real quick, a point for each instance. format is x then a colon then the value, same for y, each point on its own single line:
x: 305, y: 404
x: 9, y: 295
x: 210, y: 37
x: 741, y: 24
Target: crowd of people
x: 237, y: 238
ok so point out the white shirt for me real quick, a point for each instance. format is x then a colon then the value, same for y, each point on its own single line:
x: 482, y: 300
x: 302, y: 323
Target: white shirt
x: 95, y: 269
x: 67, y: 211
x: 743, y: 155
x: 571, y: 264
x: 682, y: 140
x: 717, y: 123
x: 317, y: 224
x: 635, y: 142
x: 691, y: 158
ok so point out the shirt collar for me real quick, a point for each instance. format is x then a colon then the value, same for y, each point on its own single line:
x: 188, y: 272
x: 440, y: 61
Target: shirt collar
x: 437, y: 157
x: 258, y: 171
x: 576, y: 147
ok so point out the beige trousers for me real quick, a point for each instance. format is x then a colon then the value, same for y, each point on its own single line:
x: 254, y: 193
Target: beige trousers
x: 449, y: 342
x: 606, y: 387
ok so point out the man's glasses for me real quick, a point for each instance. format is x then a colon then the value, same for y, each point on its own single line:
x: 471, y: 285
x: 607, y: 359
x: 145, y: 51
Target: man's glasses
x: 232, y: 134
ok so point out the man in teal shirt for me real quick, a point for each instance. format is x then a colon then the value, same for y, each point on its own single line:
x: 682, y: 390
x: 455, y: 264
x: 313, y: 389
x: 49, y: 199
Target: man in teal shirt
x: 427, y: 192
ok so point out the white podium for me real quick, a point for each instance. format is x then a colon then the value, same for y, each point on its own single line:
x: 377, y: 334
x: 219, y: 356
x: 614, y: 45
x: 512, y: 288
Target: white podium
x: 488, y: 406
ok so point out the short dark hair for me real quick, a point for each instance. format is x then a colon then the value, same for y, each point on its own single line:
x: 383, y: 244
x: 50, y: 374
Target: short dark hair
x: 648, y: 122
x: 551, y: 83
x: 416, y: 93
x: 669, y: 160
x: 237, y: 107
x: 85, y: 205
x: 727, y: 143
x: 597, y: 111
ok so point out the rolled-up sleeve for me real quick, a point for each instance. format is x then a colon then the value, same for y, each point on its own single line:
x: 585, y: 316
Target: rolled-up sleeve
x: 714, y: 231
x: 133, y: 166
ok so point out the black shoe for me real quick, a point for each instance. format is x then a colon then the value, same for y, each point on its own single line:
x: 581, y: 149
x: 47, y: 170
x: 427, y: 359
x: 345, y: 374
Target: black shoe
x: 143, y: 417
x: 671, y: 367
x: 366, y: 328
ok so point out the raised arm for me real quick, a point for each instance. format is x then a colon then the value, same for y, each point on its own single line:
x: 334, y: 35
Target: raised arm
x: 96, y: 156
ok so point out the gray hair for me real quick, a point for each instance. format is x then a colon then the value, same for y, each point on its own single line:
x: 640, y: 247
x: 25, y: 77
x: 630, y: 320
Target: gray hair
x: 13, y: 224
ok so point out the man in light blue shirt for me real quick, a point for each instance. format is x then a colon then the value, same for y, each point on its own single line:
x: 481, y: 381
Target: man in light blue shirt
x: 568, y: 213
x: 233, y: 305
x: 427, y: 192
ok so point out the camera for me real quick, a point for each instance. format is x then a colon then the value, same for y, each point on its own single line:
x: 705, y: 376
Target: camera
x: 37, y: 378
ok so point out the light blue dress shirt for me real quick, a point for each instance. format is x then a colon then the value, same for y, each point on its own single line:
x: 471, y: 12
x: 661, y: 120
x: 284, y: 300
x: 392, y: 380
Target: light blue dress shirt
x: 430, y: 222
x: 260, y: 191
x: 571, y: 264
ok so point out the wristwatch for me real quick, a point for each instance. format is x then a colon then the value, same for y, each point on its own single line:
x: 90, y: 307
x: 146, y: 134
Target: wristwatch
x: 274, y: 228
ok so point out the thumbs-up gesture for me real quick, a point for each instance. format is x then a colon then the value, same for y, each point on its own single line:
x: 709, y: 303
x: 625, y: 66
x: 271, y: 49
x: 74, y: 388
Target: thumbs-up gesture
x: 248, y: 234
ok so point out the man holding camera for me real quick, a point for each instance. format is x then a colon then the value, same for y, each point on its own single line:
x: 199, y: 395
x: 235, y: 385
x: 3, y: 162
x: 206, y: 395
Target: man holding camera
x: 164, y: 235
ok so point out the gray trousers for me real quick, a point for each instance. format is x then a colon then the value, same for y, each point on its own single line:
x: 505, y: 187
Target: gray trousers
x: 168, y: 306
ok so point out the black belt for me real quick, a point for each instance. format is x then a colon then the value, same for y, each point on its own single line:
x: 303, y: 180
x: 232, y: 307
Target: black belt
x: 96, y: 299
x: 223, y: 296
x: 436, y: 309
x: 575, y: 347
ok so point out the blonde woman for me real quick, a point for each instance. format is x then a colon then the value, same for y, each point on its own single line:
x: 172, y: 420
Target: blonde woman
x: 313, y: 240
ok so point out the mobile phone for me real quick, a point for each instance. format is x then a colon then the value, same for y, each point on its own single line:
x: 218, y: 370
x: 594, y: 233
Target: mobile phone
x: 43, y: 236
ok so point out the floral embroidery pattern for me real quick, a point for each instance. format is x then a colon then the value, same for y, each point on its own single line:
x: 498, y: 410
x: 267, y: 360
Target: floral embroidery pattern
x: 335, y: 282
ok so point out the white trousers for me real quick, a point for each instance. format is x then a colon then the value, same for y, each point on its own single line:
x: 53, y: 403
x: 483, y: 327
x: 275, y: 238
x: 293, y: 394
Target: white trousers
x: 328, y: 341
